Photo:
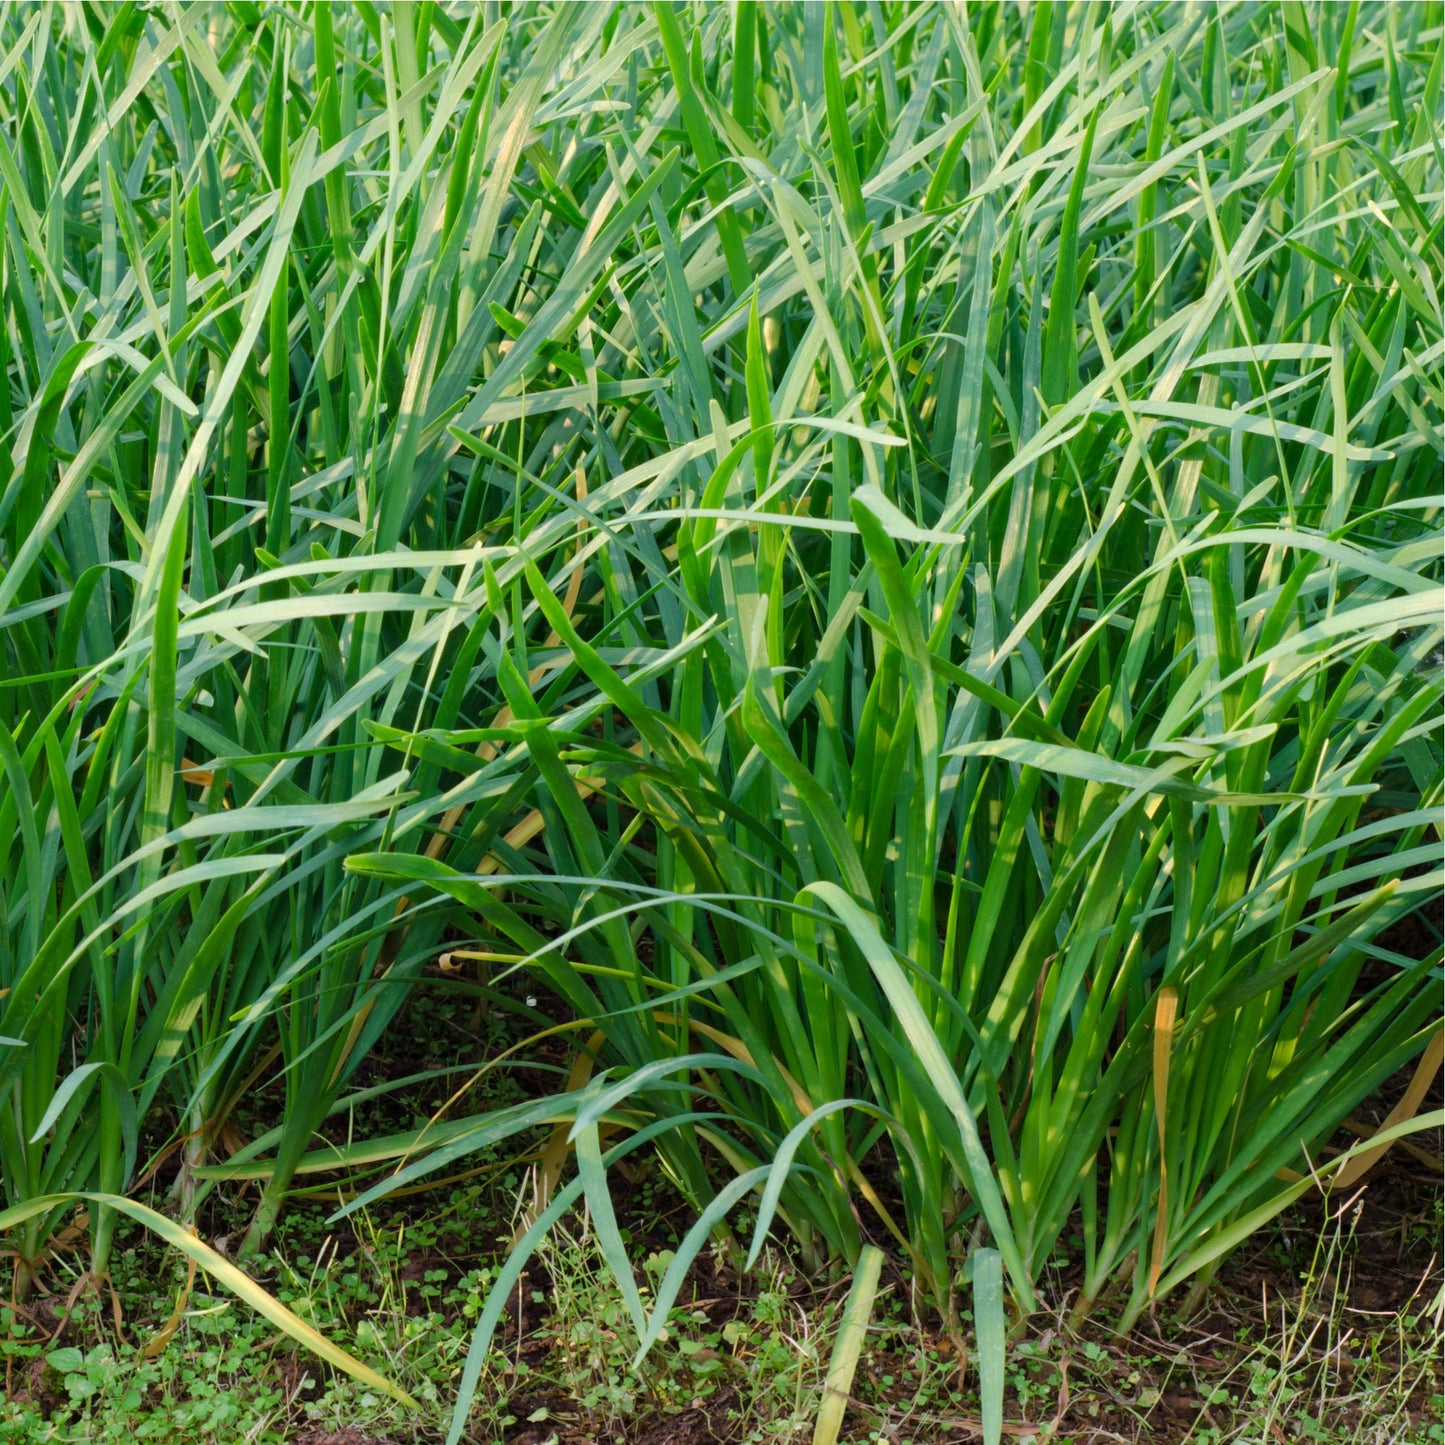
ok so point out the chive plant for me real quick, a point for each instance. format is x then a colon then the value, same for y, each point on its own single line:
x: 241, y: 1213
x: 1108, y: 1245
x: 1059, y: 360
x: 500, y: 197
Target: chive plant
x: 889, y: 556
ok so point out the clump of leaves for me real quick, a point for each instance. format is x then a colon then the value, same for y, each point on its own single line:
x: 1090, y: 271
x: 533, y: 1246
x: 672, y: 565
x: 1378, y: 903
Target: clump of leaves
x: 887, y: 558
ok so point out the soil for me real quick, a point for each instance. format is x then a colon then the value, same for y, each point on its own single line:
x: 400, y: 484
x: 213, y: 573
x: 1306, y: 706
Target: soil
x: 339, y: 1437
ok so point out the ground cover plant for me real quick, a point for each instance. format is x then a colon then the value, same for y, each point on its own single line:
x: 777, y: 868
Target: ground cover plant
x: 1321, y: 1327
x: 867, y: 577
